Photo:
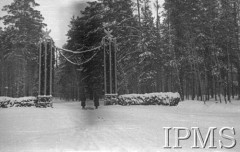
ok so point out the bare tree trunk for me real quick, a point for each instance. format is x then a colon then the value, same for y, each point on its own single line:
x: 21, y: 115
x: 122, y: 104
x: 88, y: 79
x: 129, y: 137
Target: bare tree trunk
x: 227, y: 76
x: 215, y: 88
x: 193, y: 83
x: 232, y: 82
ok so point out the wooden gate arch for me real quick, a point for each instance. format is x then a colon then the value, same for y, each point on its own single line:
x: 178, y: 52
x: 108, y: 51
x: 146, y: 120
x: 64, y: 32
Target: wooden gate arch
x: 47, y: 52
x: 46, y: 68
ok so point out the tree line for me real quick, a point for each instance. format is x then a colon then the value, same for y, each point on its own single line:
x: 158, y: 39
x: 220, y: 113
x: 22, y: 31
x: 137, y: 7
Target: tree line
x: 190, y: 47
x: 19, y: 39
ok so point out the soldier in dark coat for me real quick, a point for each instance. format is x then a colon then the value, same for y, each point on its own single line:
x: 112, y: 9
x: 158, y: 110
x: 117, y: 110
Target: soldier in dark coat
x: 96, y: 95
x: 83, y: 99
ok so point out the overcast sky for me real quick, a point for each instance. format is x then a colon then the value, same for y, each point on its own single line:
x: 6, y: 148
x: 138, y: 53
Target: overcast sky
x: 57, y: 15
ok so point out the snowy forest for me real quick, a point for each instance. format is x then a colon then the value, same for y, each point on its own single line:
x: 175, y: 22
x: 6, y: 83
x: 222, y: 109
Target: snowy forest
x: 186, y: 46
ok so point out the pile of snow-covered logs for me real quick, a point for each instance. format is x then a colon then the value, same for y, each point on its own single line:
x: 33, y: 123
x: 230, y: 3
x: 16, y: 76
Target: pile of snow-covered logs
x: 43, y: 102
x: 6, y: 102
x: 161, y: 98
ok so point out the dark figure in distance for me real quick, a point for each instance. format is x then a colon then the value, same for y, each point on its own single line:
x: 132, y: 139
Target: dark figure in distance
x: 96, y: 94
x: 83, y: 101
x: 96, y: 99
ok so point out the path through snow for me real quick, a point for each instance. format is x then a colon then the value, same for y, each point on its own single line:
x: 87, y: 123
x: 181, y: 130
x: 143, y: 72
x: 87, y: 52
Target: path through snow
x: 67, y: 127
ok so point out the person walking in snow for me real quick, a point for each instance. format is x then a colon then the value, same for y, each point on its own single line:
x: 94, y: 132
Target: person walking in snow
x: 83, y: 99
x: 96, y: 94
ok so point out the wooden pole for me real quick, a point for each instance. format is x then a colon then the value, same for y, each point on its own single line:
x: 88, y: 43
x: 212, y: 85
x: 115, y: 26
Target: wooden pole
x: 40, y: 67
x: 45, y: 72
x: 51, y: 68
x: 105, y: 75
x: 115, y: 65
x: 110, y: 64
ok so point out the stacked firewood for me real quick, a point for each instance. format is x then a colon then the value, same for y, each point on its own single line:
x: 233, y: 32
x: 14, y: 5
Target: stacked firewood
x: 44, y: 102
x: 6, y: 102
x: 160, y: 98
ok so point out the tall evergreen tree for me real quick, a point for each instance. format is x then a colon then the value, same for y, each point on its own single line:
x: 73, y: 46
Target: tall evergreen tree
x: 24, y: 27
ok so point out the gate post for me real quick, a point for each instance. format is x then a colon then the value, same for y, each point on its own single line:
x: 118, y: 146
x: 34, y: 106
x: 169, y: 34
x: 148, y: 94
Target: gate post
x: 110, y: 67
x: 46, y: 57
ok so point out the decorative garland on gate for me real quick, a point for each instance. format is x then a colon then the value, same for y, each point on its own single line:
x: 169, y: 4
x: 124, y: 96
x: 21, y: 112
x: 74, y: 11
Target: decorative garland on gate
x: 108, y: 36
x: 78, y: 52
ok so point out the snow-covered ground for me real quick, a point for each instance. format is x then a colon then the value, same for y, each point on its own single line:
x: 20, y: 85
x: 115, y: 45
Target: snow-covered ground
x: 67, y: 127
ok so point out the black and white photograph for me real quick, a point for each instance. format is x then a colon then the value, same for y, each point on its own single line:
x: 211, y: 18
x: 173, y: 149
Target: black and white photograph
x: 119, y: 75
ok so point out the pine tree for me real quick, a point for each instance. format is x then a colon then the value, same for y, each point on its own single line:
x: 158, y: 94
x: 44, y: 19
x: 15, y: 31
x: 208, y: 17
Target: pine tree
x: 24, y: 26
